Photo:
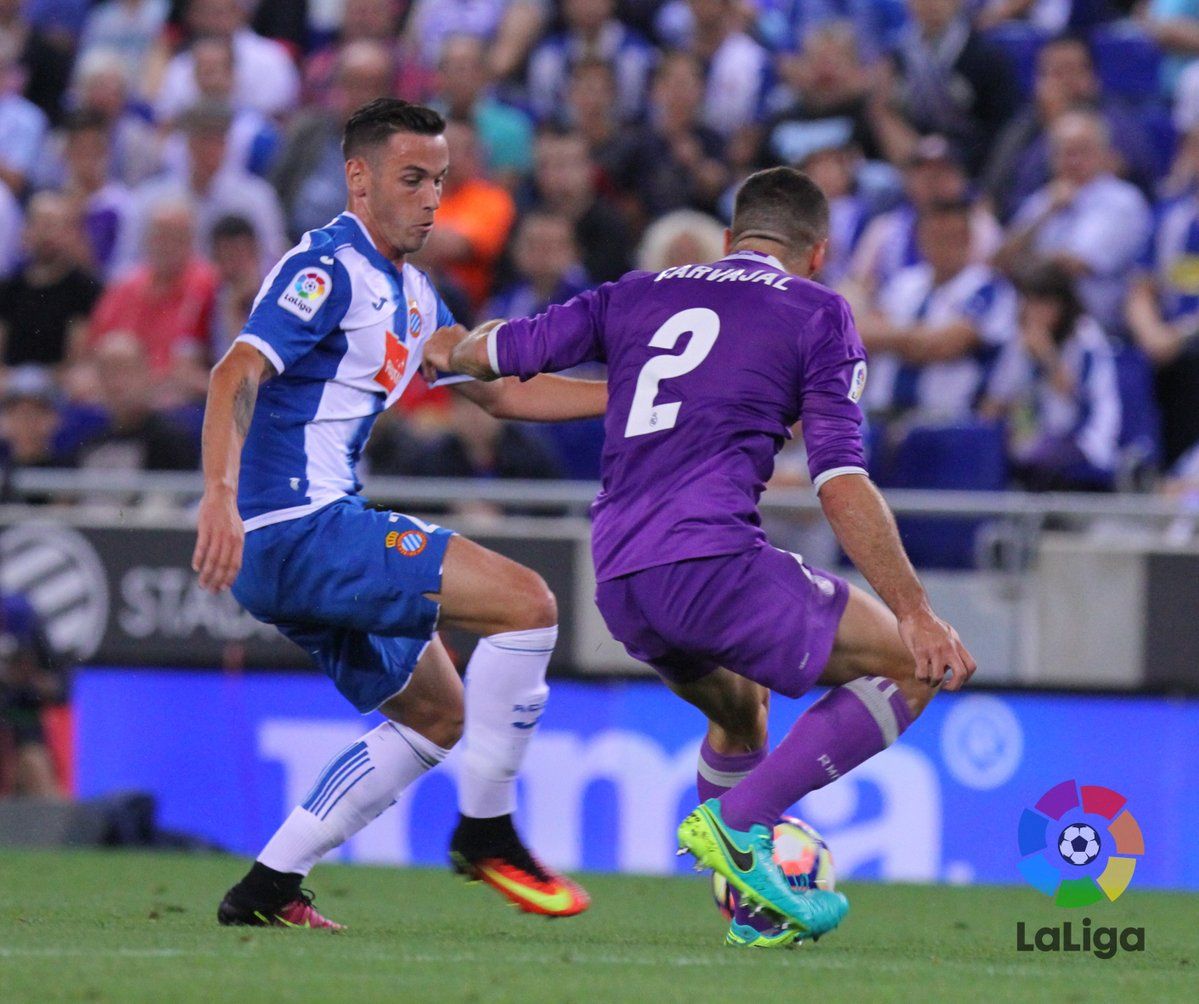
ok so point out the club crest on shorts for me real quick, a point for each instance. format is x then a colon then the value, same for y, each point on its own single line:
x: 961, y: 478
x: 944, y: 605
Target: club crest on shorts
x: 304, y: 295
x: 410, y: 543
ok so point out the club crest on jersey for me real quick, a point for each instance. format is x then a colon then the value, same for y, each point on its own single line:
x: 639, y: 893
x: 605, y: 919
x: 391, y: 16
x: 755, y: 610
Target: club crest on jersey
x: 410, y: 543
x: 306, y: 292
x: 857, y: 382
x: 414, y: 318
x: 395, y: 360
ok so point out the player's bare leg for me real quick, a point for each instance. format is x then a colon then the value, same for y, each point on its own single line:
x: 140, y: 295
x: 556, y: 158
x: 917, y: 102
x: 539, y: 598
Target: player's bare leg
x: 424, y: 721
x: 514, y: 612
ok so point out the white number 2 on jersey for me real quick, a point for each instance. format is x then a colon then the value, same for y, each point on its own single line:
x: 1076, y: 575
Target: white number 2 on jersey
x: 645, y: 416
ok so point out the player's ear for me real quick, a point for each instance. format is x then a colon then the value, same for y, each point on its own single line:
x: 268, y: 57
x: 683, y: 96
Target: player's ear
x: 819, y: 253
x: 357, y: 172
x: 728, y: 240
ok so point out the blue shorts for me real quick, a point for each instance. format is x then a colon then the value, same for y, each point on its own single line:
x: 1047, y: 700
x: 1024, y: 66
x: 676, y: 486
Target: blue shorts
x: 347, y: 585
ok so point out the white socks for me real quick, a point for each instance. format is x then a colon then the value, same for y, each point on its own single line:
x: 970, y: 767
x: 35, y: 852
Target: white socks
x: 505, y: 695
x: 355, y: 786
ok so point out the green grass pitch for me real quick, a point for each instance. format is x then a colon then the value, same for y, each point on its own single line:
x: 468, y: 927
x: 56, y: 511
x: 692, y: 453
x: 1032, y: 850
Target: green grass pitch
x: 90, y: 926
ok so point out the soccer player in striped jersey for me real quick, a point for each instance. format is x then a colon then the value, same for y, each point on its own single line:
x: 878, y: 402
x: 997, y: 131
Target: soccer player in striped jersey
x: 335, y: 336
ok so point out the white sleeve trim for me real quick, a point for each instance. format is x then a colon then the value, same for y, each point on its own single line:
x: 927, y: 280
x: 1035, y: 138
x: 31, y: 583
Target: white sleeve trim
x: 824, y: 477
x: 271, y: 355
x: 493, y: 353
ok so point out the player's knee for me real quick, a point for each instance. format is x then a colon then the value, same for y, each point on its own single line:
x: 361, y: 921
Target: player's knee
x: 739, y: 726
x: 535, y: 605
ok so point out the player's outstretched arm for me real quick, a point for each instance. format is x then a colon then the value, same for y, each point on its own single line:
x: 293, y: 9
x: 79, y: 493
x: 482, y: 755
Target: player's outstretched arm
x: 232, y: 393
x: 866, y: 529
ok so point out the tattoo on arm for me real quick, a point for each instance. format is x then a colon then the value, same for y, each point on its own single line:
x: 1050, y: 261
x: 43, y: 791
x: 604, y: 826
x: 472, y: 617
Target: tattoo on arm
x: 243, y: 405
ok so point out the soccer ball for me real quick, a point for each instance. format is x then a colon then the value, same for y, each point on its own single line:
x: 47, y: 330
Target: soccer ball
x: 1079, y: 844
x: 799, y: 851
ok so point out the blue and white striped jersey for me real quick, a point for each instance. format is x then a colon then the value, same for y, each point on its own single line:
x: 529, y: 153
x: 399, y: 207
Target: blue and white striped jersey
x: 345, y: 331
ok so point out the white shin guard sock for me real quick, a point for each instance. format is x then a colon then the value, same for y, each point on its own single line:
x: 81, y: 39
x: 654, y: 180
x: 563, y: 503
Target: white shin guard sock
x: 355, y: 786
x: 505, y: 695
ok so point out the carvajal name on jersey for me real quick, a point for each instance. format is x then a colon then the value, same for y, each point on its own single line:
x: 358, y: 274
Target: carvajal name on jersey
x: 709, y: 273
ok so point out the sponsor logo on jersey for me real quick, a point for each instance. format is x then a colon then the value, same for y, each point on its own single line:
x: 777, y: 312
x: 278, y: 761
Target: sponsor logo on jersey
x: 410, y: 543
x: 414, y: 318
x: 395, y: 360
x: 304, y: 295
x: 857, y: 382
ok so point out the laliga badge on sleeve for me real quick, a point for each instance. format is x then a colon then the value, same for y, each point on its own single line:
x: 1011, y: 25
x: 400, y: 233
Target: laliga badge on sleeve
x: 857, y: 382
x: 306, y: 292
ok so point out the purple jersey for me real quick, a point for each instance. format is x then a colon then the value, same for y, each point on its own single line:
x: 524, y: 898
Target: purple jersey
x: 709, y: 366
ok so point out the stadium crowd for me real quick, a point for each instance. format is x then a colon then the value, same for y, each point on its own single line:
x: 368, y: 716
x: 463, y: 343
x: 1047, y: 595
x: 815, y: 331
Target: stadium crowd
x: 1014, y: 188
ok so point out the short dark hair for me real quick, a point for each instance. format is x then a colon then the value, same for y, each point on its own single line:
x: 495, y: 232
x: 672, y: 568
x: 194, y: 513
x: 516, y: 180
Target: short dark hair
x: 232, y: 227
x: 781, y: 204
x: 1047, y: 280
x: 378, y: 120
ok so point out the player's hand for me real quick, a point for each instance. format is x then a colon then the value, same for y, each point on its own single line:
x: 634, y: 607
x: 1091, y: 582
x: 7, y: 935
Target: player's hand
x: 939, y: 653
x: 219, y: 540
x: 439, y: 349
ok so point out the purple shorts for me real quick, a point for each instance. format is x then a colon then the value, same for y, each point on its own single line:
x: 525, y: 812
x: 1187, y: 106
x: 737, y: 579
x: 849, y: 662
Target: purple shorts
x: 760, y: 613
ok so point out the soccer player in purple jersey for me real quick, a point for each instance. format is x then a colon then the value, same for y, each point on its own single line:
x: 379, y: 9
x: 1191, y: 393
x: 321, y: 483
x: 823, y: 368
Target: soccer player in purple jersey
x: 709, y: 366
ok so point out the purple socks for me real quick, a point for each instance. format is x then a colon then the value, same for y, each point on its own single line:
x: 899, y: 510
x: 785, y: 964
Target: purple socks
x: 846, y: 727
x: 717, y: 773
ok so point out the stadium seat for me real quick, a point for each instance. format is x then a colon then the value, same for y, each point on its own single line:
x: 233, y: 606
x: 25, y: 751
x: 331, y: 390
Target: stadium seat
x: 1127, y: 60
x: 1020, y: 42
x: 967, y: 456
x: 578, y: 446
x: 1140, y: 427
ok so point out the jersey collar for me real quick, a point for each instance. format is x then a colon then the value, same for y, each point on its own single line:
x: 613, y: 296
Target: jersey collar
x: 757, y: 256
x: 362, y: 242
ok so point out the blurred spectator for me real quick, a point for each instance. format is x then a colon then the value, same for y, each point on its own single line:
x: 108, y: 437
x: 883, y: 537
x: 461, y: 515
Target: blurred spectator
x: 675, y: 161
x: 591, y: 109
x: 10, y: 231
x: 101, y: 86
x: 239, y: 271
x: 135, y: 438
x: 833, y: 168
x: 30, y: 420
x: 1174, y: 26
x: 505, y: 133
x: 737, y: 68
x: 44, y: 59
x: 1063, y: 368
x: 1065, y: 80
x: 126, y: 27
x: 31, y: 680
x: 473, y: 221
x: 592, y: 32
x: 1086, y: 219
x: 376, y: 22
x: 265, y: 78
x: 476, y: 446
x: 933, y: 173
x: 44, y: 306
x: 941, y: 325
x: 1049, y: 16
x: 252, y: 140
x: 825, y: 99
x: 22, y: 123
x: 103, y: 206
x: 167, y: 301
x: 564, y: 181
x: 310, y: 173
x: 509, y: 27
x: 1163, y: 317
x: 680, y: 238
x: 951, y: 81
x: 548, y: 271
x: 213, y: 186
